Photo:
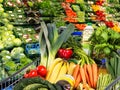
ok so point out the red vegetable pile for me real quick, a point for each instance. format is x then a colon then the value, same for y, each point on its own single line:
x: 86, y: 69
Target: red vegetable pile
x: 65, y: 53
x: 39, y: 71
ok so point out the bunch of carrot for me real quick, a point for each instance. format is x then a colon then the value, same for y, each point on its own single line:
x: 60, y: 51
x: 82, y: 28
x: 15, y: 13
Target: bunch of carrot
x: 86, y: 72
x: 71, y: 15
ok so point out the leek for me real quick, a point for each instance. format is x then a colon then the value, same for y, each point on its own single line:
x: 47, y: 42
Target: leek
x: 52, y: 41
x: 43, y: 52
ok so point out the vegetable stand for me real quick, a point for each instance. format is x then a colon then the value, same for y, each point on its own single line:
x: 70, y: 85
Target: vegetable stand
x: 78, y: 42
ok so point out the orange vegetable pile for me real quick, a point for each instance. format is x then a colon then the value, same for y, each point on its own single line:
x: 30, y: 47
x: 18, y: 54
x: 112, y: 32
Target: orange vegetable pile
x: 86, y: 73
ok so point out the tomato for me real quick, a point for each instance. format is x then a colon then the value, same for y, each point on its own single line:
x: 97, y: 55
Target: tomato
x: 42, y: 70
x: 26, y: 75
x: 33, y: 73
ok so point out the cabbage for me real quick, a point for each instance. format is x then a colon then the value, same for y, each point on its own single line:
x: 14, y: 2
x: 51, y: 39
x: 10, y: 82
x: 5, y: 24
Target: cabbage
x: 6, y: 58
x: 10, y: 65
x: 16, y: 52
x: 8, y: 44
x: 4, y: 52
x: 17, y: 42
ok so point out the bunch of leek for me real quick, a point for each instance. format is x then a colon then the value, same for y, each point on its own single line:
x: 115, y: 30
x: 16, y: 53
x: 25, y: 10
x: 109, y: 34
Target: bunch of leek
x: 50, y: 41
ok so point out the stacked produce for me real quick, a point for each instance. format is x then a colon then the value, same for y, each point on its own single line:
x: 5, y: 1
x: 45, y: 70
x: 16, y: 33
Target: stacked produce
x: 12, y: 54
x: 104, y: 13
x: 69, y: 60
x: 75, y: 12
x: 105, y: 41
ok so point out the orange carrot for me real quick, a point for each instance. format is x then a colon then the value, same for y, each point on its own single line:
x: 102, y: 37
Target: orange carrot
x: 78, y: 79
x: 95, y: 74
x: 86, y: 74
x: 76, y: 70
x: 83, y: 75
x: 89, y: 70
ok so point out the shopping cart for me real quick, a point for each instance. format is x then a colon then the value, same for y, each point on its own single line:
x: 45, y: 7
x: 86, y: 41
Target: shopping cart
x: 115, y: 85
x: 8, y: 83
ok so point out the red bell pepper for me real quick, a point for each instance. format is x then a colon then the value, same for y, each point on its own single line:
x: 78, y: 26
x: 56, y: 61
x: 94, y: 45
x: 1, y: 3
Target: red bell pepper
x: 99, y: 13
x: 99, y: 3
x: 65, y: 53
x: 109, y: 24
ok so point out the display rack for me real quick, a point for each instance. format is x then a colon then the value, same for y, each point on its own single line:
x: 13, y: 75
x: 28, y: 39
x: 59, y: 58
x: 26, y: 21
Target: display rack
x: 8, y: 83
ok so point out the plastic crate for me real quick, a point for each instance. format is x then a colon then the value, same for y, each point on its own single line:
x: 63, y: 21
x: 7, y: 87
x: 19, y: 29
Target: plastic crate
x: 32, y: 49
x: 8, y: 83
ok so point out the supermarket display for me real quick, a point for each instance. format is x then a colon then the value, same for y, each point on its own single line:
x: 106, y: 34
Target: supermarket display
x: 59, y: 45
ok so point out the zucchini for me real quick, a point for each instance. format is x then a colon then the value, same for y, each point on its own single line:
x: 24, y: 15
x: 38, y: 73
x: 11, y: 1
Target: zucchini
x: 112, y: 63
x: 118, y: 66
x: 110, y: 69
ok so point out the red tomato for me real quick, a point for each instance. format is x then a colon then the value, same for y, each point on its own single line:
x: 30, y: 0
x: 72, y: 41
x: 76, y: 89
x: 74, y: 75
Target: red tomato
x: 26, y: 75
x: 33, y: 73
x: 42, y: 71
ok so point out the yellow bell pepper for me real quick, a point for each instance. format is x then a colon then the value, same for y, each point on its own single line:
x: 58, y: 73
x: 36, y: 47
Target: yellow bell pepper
x: 95, y: 7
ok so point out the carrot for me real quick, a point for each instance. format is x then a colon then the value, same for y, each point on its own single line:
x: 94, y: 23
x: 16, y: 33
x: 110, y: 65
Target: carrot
x: 78, y: 79
x: 86, y: 74
x: 83, y: 75
x: 90, y: 73
x: 95, y: 74
x: 76, y: 70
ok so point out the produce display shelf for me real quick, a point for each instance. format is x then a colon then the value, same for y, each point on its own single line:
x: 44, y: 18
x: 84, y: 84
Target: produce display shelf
x: 8, y: 83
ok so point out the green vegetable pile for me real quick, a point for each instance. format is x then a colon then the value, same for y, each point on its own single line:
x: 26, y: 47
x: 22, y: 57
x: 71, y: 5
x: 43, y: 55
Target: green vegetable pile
x: 103, y: 81
x: 105, y: 41
x: 36, y: 83
x: 12, y: 61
